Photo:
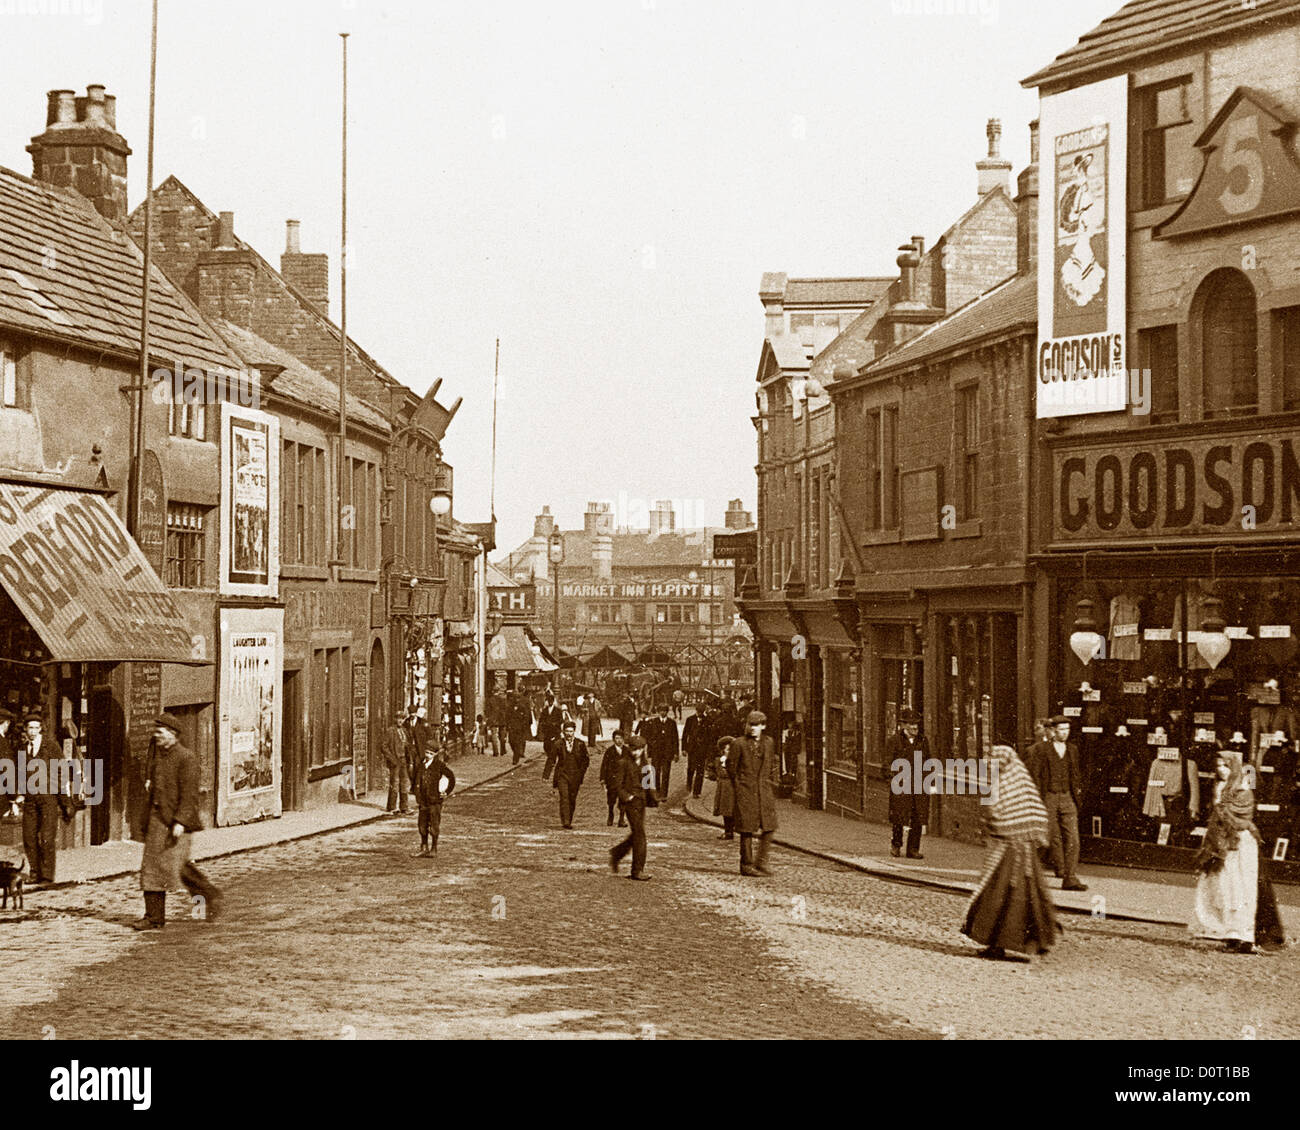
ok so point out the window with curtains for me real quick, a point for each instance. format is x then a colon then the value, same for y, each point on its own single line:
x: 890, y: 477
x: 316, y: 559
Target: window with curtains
x: 1229, y: 376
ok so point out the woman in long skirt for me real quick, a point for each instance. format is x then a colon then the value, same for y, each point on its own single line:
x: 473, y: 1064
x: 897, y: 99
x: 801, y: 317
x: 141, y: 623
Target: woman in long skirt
x: 1011, y: 909
x: 1234, y: 898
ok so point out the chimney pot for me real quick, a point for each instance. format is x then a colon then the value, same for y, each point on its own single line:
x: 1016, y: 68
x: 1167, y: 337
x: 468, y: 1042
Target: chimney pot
x: 110, y: 110
x: 291, y: 242
x: 62, y: 107
x: 226, y: 230
x: 994, y: 131
x: 95, y: 104
x: 1033, y: 142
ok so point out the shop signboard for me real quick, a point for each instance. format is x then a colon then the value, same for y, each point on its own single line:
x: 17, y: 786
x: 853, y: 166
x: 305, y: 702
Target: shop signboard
x: 250, y: 512
x: 643, y: 590
x: 360, y: 724
x: 1222, y: 486
x: 151, y: 530
x: 1082, y: 227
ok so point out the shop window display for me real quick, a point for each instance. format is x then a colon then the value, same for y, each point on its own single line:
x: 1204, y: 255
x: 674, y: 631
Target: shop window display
x: 1149, y: 711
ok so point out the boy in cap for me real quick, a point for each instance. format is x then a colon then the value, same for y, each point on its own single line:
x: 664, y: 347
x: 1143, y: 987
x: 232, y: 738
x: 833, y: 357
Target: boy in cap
x: 609, y: 777
x: 434, y: 781
x: 171, y: 816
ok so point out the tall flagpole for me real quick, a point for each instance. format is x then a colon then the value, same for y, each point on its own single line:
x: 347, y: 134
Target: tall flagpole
x: 496, y: 375
x: 137, y: 465
x: 343, y: 323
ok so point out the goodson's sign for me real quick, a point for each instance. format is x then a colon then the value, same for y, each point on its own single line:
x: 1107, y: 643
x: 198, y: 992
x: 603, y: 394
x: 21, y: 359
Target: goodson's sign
x: 1233, y: 486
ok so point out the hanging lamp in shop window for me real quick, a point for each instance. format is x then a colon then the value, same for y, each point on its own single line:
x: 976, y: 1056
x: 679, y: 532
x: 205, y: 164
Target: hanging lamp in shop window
x: 1085, y: 641
x: 1213, y: 642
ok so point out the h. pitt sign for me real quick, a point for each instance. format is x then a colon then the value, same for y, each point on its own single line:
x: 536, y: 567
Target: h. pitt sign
x: 1229, y: 487
x: 1082, y: 226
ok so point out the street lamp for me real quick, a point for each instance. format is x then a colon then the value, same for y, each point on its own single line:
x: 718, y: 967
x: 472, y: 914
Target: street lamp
x: 1085, y: 641
x: 555, y: 553
x: 440, y: 501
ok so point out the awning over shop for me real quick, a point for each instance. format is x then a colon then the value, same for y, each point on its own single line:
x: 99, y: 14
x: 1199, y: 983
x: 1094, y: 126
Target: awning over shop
x: 81, y: 581
x: 513, y: 649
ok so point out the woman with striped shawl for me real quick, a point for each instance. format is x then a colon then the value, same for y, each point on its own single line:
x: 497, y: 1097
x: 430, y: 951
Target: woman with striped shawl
x: 1011, y: 909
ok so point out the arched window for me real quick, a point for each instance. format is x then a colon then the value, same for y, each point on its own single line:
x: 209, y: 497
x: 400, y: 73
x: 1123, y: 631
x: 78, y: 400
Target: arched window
x: 1225, y: 311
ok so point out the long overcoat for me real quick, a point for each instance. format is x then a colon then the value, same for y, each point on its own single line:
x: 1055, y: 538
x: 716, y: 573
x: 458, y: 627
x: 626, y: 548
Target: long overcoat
x: 912, y: 805
x: 753, y: 769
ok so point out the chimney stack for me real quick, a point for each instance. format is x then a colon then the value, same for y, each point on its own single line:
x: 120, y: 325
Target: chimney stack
x: 225, y: 232
x: 1027, y: 208
x: 602, y: 556
x: 599, y: 518
x: 309, y: 274
x: 994, y: 170
x: 544, y: 524
x: 738, y: 518
x: 908, y: 260
x: 225, y: 276
x: 662, y: 518
x: 81, y: 149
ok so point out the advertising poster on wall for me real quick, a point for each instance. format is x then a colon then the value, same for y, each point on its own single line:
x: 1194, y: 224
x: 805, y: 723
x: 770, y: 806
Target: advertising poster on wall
x: 249, y: 515
x: 250, y: 709
x: 1082, y: 226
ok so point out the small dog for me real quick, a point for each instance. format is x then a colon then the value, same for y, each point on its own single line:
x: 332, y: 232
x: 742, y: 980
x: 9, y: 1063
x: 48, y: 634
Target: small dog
x: 11, y: 884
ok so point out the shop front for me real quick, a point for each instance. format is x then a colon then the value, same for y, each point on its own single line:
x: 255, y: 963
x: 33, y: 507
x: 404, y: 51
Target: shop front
x: 1173, y: 599
x: 86, y: 628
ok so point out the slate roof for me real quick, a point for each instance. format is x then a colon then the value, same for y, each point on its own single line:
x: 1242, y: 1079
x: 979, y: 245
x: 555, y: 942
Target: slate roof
x: 1143, y: 27
x: 1010, y: 304
x: 836, y: 292
x: 67, y: 273
x: 297, y: 382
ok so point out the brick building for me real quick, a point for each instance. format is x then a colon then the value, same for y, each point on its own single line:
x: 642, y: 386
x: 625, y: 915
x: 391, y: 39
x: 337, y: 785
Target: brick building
x: 89, y: 636
x: 655, y: 596
x: 373, y: 624
x: 838, y: 437
x: 1169, y: 495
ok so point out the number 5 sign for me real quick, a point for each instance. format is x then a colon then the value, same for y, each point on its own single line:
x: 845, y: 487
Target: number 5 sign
x: 1249, y: 172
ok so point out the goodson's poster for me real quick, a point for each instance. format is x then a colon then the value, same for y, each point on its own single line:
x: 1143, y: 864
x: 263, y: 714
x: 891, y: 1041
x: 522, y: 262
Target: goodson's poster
x: 1081, y: 250
x: 250, y: 522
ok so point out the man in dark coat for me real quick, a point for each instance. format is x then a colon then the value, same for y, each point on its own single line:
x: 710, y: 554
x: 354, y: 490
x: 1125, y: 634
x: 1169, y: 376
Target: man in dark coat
x: 417, y: 739
x: 7, y: 719
x: 752, y: 766
x: 397, y: 758
x: 171, y: 816
x: 910, y: 805
x: 697, y: 741
x: 42, y: 803
x: 570, y: 768
x: 429, y: 795
x: 633, y: 777
x: 498, y: 722
x: 609, y: 776
x: 549, y: 724
x: 1054, y: 766
x: 724, y: 796
x: 521, y: 726
x: 627, y: 715
x: 662, y: 744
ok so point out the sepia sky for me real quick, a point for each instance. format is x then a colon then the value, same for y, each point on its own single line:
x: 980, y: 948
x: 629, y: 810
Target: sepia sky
x: 601, y: 184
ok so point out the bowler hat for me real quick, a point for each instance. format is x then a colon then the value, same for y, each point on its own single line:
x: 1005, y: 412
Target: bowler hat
x: 1059, y: 720
x: 170, y: 721
x: 7, y: 715
x: 908, y: 715
x: 33, y: 716
x: 756, y: 718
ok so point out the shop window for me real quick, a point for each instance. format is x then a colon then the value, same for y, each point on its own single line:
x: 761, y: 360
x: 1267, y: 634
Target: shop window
x: 843, y: 751
x: 1158, y: 358
x: 329, y: 704
x: 605, y: 614
x: 1167, y: 156
x: 968, y: 442
x: 675, y: 614
x: 1226, y: 303
x: 1288, y: 356
x: 186, y: 545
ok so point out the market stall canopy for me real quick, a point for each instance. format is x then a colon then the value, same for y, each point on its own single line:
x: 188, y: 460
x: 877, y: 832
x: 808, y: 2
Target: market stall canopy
x: 514, y: 649
x: 566, y: 660
x: 83, y: 583
x: 606, y: 657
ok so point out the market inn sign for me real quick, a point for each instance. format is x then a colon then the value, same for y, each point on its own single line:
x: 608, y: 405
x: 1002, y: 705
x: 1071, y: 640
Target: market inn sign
x: 1224, y: 486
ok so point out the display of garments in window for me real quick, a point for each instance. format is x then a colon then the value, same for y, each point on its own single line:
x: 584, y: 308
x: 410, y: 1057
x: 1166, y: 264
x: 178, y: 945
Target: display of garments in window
x: 1183, y: 629
x: 1265, y: 720
x: 1165, y: 780
x: 1125, y: 634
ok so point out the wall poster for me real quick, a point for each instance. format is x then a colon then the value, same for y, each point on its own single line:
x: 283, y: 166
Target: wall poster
x: 250, y: 511
x: 250, y: 709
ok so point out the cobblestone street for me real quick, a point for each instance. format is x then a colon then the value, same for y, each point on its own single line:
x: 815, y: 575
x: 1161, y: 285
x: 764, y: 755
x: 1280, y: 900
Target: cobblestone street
x: 518, y: 929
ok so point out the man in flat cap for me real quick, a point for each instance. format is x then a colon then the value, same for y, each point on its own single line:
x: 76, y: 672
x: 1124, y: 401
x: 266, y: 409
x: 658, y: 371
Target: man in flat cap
x: 1054, y: 765
x: 171, y: 817
x: 753, y: 769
